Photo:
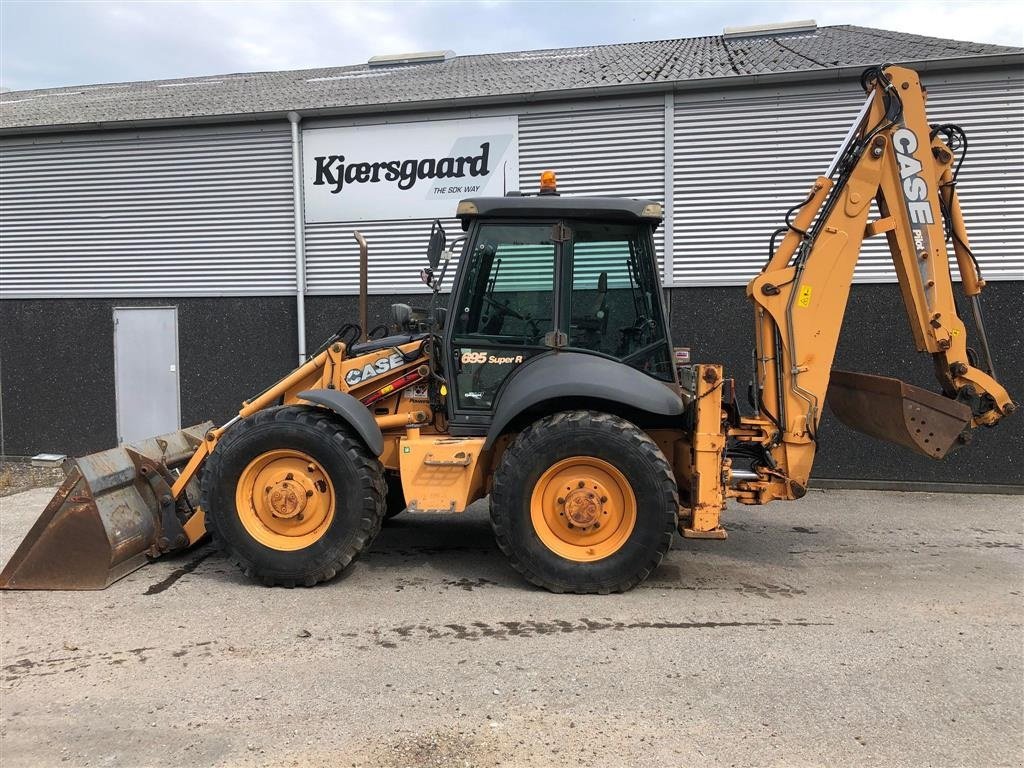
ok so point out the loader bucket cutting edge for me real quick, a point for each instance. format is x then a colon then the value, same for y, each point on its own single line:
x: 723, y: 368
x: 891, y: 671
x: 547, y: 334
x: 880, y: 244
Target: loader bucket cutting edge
x: 104, y: 521
x: 897, y: 412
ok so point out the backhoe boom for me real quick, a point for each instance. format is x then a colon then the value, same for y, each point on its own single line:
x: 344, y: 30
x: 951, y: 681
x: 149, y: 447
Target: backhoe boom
x: 894, y: 157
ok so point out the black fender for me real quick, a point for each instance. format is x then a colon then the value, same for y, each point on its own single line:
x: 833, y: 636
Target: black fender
x: 557, y: 375
x: 353, y: 412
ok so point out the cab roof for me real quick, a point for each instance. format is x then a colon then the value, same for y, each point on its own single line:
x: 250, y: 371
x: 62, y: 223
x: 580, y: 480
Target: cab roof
x: 513, y: 206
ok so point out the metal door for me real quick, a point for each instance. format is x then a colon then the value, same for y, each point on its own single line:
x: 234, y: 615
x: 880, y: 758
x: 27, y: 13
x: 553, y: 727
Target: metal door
x: 146, y: 372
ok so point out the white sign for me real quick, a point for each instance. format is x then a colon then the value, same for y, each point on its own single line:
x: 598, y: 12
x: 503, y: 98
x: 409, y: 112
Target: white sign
x: 407, y: 170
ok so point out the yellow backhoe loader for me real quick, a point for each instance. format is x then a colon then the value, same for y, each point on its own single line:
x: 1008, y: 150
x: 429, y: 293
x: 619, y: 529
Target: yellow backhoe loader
x: 550, y: 383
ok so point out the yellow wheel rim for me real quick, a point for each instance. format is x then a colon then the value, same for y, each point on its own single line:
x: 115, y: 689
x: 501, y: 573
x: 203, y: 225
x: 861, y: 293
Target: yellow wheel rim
x: 583, y: 509
x: 285, y: 499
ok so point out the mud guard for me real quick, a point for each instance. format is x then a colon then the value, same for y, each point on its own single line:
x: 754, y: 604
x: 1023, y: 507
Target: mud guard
x: 560, y: 375
x: 353, y: 412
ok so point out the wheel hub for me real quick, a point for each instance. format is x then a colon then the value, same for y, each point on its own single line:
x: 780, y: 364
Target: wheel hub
x: 584, y: 505
x: 286, y: 499
x: 583, y: 508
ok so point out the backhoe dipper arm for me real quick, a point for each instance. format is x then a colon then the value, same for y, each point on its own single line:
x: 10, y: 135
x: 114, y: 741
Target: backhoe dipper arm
x: 892, y: 156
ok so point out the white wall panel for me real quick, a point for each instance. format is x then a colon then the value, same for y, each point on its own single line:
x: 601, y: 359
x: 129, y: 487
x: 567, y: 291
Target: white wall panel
x: 185, y: 213
x: 740, y: 163
x: 602, y: 152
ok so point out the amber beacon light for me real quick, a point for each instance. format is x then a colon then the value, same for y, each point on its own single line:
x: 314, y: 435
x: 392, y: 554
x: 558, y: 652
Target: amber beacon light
x: 548, y: 183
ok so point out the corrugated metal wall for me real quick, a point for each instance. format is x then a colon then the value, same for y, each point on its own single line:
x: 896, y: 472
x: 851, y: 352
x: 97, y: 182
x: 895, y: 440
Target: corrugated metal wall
x: 206, y: 212
x: 740, y: 163
x: 190, y: 213
x: 598, y: 152
x: 397, y: 252
x: 991, y: 185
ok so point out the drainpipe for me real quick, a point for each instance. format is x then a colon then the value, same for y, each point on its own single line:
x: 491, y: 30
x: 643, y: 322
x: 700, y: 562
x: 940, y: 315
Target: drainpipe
x: 300, y: 247
x: 667, y: 226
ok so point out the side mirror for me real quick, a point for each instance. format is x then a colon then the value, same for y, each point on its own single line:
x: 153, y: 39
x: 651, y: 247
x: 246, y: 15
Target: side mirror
x: 436, y: 244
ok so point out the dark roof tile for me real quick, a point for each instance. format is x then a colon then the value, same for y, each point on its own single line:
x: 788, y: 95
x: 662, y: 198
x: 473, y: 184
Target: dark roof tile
x: 487, y: 76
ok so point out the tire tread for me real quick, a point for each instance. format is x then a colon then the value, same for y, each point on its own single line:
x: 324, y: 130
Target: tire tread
x: 524, y: 450
x: 368, y: 468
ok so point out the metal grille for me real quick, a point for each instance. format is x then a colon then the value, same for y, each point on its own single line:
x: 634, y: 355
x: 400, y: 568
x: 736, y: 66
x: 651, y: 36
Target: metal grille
x: 739, y: 164
x: 191, y: 213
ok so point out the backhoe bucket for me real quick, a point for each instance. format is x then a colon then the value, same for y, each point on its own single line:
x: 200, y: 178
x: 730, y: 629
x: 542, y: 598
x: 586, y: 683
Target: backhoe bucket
x: 112, y: 514
x: 897, y: 412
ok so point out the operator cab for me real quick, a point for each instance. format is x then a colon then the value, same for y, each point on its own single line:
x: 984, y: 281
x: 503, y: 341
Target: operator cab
x: 546, y: 273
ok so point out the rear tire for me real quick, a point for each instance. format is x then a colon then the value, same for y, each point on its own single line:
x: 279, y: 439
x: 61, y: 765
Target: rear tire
x: 292, y: 496
x: 595, y: 470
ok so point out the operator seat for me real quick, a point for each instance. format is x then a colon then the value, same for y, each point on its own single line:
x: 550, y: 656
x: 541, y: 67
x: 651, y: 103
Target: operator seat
x: 593, y: 325
x: 601, y: 306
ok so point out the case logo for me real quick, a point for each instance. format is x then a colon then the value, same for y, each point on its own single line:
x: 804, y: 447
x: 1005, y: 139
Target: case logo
x: 915, y: 188
x: 374, y: 369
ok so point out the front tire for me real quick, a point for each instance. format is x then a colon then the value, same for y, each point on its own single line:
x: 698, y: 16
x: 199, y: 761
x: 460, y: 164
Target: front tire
x: 291, y: 496
x: 584, y: 502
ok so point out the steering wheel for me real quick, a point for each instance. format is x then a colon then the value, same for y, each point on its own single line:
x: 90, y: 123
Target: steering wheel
x: 505, y: 310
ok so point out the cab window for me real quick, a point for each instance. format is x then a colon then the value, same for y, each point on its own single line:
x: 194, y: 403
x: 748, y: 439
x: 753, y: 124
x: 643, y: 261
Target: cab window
x: 614, y: 306
x: 507, y: 294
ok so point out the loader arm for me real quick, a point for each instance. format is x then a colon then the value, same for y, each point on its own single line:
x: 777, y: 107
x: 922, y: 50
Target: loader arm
x: 894, y: 157
x: 120, y: 508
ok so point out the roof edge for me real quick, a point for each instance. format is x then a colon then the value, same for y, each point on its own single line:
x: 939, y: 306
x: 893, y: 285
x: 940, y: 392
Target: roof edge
x: 564, y: 94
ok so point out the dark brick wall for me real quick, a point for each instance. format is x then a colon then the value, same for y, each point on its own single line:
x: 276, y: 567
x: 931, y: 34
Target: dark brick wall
x: 57, y: 378
x: 57, y: 364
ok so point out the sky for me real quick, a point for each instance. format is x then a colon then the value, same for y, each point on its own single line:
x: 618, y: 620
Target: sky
x: 50, y: 44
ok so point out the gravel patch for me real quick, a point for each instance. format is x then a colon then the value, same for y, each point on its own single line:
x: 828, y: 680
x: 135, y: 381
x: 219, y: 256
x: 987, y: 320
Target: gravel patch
x: 19, y: 475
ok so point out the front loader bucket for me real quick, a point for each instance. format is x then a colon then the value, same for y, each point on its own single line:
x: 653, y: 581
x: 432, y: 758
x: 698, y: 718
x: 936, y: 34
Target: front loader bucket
x: 106, y: 520
x: 897, y: 412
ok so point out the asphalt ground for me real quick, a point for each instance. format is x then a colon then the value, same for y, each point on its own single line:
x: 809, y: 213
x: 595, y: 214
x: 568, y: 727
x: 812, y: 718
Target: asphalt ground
x: 850, y: 628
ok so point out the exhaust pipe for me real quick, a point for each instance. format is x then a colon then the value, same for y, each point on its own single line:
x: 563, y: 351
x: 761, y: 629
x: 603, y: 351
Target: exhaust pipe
x: 743, y: 476
x: 364, y: 269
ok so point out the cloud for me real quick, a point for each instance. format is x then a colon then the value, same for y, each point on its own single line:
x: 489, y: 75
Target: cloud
x: 992, y: 22
x: 46, y: 44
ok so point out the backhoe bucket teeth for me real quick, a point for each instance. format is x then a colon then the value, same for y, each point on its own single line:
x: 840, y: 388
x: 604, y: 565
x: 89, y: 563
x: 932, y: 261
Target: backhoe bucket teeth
x: 897, y: 412
x: 111, y: 516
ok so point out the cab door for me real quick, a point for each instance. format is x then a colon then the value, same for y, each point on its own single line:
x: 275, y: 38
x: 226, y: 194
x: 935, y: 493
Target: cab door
x: 502, y: 313
x: 612, y: 304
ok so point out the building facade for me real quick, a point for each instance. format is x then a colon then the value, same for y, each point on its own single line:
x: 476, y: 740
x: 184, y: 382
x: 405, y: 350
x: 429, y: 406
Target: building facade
x: 206, y: 212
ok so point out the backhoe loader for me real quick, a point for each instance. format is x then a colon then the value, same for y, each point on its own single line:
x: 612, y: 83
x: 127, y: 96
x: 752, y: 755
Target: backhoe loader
x: 550, y: 383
